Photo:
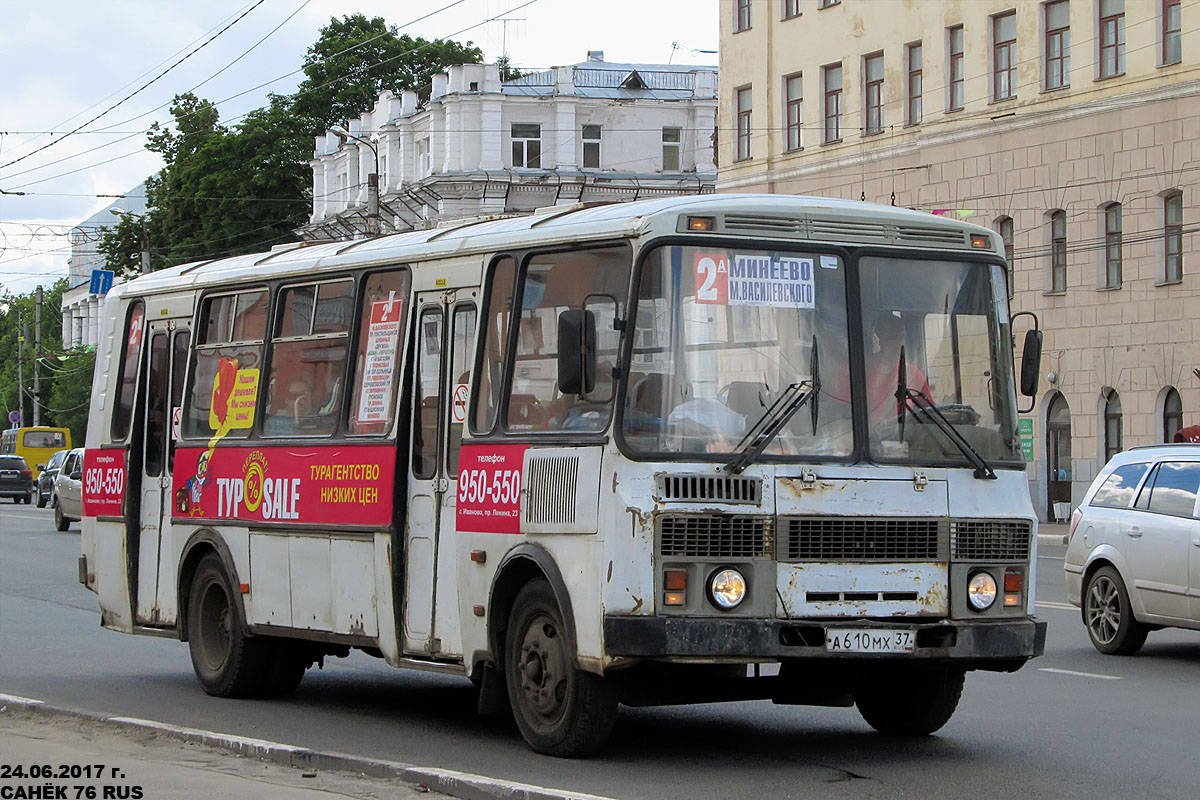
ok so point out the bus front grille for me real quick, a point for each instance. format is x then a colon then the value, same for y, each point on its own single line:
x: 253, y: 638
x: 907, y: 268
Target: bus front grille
x: 709, y: 489
x: 715, y: 536
x: 990, y: 540
x: 862, y: 539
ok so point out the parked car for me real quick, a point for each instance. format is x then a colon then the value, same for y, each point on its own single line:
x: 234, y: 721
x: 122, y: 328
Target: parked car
x: 68, y: 490
x: 16, y: 479
x: 45, y: 480
x: 1133, y: 553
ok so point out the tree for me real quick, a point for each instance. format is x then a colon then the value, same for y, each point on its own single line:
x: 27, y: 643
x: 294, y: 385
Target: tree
x: 356, y: 58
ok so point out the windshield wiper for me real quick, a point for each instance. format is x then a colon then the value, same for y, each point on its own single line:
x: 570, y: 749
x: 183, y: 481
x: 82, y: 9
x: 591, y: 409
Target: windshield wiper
x: 776, y: 416
x: 926, y: 407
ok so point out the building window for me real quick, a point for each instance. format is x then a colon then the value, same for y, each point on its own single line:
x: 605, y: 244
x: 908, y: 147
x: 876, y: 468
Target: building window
x: 1173, y: 237
x: 1004, y: 56
x: 741, y: 16
x: 526, y: 145
x: 1112, y: 246
x: 915, y: 80
x: 743, y: 111
x: 793, y: 111
x: 1005, y: 226
x: 671, y: 143
x: 1058, y: 251
x: 591, y: 147
x: 1112, y: 38
x: 1172, y: 42
x: 954, y: 68
x: 1112, y: 424
x: 791, y: 8
x: 1058, y: 44
x: 873, y: 86
x: 831, y: 77
x: 1172, y: 414
x: 827, y: 3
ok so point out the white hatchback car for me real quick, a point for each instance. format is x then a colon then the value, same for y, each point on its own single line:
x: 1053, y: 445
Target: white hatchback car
x: 68, y: 490
x: 1133, y: 555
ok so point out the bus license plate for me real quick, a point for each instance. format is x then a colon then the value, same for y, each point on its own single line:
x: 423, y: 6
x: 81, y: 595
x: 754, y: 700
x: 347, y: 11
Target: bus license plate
x: 875, y: 640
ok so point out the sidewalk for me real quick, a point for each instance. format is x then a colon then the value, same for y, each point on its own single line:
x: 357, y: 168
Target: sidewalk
x: 162, y: 768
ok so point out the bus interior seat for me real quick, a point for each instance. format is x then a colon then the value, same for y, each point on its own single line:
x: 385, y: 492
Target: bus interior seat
x: 748, y: 398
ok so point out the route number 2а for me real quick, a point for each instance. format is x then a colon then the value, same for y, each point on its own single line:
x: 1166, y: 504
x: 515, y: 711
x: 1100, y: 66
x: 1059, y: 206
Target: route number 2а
x: 712, y: 278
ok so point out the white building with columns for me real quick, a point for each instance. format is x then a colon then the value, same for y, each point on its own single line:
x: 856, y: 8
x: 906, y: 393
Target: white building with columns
x: 81, y: 308
x: 594, y: 131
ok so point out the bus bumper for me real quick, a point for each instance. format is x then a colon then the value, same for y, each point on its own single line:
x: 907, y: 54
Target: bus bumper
x: 999, y: 644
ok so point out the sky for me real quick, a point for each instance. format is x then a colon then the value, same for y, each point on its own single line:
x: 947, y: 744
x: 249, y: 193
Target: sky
x: 66, y: 62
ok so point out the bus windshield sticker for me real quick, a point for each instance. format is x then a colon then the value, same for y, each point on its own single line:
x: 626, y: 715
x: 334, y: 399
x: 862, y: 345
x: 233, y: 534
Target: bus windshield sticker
x: 458, y: 404
x: 829, y: 262
x: 489, y: 488
x: 755, y: 280
x: 379, y: 368
x: 311, y: 486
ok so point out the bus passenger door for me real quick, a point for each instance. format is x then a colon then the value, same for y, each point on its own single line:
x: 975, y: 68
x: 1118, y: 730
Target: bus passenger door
x: 430, y: 612
x: 163, y: 388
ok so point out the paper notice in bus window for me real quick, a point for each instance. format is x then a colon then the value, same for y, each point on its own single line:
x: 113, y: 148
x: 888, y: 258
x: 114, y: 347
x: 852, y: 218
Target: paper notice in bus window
x: 234, y: 397
x: 458, y: 404
x: 780, y: 281
x: 489, y: 488
x: 379, y: 365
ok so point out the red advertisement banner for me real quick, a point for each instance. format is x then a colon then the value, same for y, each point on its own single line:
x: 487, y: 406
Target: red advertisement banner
x: 103, y: 486
x: 328, y: 485
x: 489, y: 488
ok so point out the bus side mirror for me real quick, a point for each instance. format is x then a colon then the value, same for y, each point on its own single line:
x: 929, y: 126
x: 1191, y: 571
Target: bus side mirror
x: 1031, y: 362
x: 576, y: 351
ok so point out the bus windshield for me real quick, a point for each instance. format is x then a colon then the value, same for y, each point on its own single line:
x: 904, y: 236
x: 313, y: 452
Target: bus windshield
x: 720, y: 334
x: 938, y: 330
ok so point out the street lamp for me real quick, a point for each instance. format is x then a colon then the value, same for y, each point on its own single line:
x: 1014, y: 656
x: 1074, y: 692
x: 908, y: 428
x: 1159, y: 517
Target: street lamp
x: 372, y: 179
x: 145, y: 235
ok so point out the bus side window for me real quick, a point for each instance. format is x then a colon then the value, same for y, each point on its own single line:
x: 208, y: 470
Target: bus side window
x: 229, y: 341
x: 496, y: 318
x: 373, y: 381
x: 123, y: 408
x: 551, y: 284
x: 308, y: 359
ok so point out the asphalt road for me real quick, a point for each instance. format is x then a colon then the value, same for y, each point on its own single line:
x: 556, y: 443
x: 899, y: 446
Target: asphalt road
x: 1073, y: 723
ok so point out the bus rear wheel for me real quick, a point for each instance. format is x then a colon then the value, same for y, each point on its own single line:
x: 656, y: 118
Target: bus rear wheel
x: 227, y: 662
x: 560, y: 710
x: 914, y: 702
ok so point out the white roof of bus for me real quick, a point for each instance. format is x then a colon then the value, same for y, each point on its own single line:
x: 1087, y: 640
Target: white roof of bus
x: 554, y: 223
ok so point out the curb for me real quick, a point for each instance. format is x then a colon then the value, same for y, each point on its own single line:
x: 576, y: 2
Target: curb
x: 462, y: 785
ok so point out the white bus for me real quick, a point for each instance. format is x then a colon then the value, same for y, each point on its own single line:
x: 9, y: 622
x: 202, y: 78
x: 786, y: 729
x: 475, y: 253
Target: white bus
x: 678, y: 450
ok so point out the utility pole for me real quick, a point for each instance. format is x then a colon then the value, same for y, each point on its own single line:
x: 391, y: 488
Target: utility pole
x: 37, y: 354
x: 20, y: 368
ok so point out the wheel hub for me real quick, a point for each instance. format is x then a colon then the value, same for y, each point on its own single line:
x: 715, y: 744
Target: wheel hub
x: 544, y: 668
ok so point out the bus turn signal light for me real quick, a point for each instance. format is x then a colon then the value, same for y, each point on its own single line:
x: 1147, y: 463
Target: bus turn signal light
x: 700, y: 223
x: 675, y: 587
x: 980, y: 241
x: 1013, y: 582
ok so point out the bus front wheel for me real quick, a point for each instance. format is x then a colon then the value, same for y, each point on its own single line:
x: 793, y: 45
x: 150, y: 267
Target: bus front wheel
x: 560, y: 710
x: 913, y: 702
x: 227, y: 662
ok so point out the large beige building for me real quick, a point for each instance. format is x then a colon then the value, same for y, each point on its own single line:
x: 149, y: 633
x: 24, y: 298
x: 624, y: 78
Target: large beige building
x: 1072, y: 127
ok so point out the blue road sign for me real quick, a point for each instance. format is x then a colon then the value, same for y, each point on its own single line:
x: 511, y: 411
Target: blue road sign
x: 14, y: 418
x: 102, y: 281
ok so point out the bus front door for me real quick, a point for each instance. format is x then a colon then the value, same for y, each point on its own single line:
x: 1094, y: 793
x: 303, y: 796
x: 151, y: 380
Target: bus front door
x: 445, y: 338
x: 163, y: 391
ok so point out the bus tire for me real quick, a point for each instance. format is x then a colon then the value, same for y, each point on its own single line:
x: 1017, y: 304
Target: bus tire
x: 916, y: 702
x: 285, y: 667
x: 61, y: 523
x: 560, y: 710
x: 227, y: 662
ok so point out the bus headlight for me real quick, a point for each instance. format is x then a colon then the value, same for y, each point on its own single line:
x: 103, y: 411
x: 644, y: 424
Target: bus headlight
x: 727, y: 588
x: 981, y: 591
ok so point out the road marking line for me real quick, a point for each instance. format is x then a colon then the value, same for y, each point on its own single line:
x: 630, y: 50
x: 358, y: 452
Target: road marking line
x: 1079, y: 674
x: 1060, y: 606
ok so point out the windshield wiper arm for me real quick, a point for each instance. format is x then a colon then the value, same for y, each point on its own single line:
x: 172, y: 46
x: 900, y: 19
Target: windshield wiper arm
x: 776, y: 416
x: 930, y: 411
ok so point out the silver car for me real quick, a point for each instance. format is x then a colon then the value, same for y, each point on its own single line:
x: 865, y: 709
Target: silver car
x: 68, y: 490
x: 1133, y: 555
